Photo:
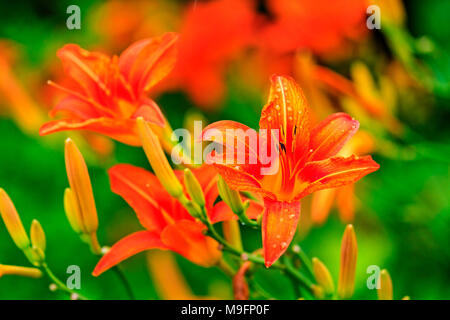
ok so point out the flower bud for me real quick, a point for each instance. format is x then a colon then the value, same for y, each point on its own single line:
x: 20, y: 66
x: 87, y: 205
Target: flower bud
x: 349, y: 253
x: 38, y: 241
x: 385, y: 292
x: 231, y: 197
x: 193, y: 188
x: 20, y: 271
x: 323, y: 276
x: 317, y: 291
x: 73, y: 211
x: 80, y: 183
x: 232, y: 233
x: 158, y: 160
x: 79, y: 202
x: 13, y: 222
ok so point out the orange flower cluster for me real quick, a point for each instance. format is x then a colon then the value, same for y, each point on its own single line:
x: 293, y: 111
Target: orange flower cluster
x: 108, y: 94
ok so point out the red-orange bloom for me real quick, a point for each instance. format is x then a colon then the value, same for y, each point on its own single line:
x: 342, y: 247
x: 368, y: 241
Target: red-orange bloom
x: 212, y: 34
x: 108, y: 94
x: 307, y: 162
x: 169, y: 225
x: 320, y: 25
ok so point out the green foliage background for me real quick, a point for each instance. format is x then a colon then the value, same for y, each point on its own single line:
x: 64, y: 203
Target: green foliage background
x: 404, y: 225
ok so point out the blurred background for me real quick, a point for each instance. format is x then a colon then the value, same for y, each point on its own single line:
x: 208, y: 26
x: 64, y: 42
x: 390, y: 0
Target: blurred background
x: 394, y: 80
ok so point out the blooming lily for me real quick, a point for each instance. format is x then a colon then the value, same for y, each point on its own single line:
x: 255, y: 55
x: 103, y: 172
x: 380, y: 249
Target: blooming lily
x: 168, y: 223
x: 108, y: 94
x: 307, y: 162
x: 344, y: 197
x: 322, y: 26
x: 205, y: 52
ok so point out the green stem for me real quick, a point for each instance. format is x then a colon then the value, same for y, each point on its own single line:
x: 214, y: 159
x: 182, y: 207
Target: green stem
x: 290, y: 269
x: 200, y: 213
x: 246, y: 220
x: 305, y: 260
x: 59, y: 283
x: 125, y: 282
x: 287, y: 268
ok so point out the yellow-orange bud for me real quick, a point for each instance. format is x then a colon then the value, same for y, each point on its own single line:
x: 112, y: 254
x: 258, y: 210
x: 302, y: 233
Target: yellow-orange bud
x: 232, y: 233
x: 231, y: 197
x: 323, y: 276
x: 349, y: 253
x: 73, y: 211
x: 13, y: 222
x: 194, y: 188
x: 158, y: 160
x: 385, y: 292
x: 80, y: 183
x: 317, y: 291
x: 37, y: 236
x: 20, y: 271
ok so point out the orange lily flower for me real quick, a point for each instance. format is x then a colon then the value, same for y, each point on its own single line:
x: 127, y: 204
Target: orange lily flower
x: 344, y: 197
x: 109, y: 94
x: 168, y: 223
x: 13, y: 94
x: 205, y: 51
x: 325, y: 27
x: 307, y: 162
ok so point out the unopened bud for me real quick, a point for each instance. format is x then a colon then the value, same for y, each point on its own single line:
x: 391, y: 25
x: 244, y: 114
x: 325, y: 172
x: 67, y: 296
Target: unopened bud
x: 20, y: 271
x: 13, y: 222
x: 323, y: 276
x: 194, y: 188
x: 38, y: 241
x: 80, y: 184
x: 231, y: 197
x: 349, y: 254
x: 385, y: 292
x: 158, y: 160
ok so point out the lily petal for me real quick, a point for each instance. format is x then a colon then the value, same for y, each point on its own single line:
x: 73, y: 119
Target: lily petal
x: 240, y: 180
x: 123, y: 130
x: 73, y: 106
x: 279, y: 224
x: 321, y: 204
x: 330, y: 135
x: 287, y: 111
x: 187, y: 238
x: 151, y: 112
x: 127, y: 247
x: 148, y: 61
x: 332, y: 173
x: 84, y: 67
x: 240, y: 144
x: 140, y: 190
